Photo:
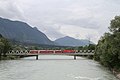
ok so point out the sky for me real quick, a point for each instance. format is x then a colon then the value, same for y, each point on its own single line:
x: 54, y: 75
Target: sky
x: 80, y: 19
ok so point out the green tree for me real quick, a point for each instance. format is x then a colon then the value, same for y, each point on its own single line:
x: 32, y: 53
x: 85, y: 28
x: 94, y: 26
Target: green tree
x: 108, y: 48
x: 91, y: 47
x: 5, y: 46
x: 1, y: 48
x: 115, y: 25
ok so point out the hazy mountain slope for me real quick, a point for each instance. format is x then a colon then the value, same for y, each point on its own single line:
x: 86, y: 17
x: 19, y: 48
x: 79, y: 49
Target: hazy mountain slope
x: 69, y: 41
x: 22, y: 32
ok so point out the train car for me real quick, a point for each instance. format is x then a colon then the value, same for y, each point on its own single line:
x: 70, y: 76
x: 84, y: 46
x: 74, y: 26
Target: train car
x: 50, y: 51
x: 69, y: 51
x: 42, y: 51
x: 58, y: 51
x: 33, y: 51
x: 46, y: 51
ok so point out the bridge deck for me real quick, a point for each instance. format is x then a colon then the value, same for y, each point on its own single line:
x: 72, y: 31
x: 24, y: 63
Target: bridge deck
x: 37, y: 54
x: 72, y: 54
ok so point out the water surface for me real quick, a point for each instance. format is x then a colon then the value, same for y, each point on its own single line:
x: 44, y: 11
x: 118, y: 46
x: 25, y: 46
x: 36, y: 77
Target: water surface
x: 53, y: 67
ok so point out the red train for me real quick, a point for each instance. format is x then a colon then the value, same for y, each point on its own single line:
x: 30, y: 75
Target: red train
x: 52, y: 51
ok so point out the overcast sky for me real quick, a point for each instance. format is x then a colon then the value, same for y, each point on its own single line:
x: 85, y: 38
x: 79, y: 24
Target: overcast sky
x: 81, y: 19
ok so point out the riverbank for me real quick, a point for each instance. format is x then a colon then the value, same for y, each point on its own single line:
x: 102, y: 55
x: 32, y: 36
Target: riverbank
x: 9, y: 57
x: 116, y: 73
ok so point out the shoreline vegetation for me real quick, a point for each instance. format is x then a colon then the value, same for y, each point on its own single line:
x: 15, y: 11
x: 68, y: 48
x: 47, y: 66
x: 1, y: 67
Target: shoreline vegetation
x: 107, y: 50
x: 9, y: 57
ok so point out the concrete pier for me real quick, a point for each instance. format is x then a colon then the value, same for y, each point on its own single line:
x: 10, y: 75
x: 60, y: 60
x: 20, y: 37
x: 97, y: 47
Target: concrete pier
x: 74, y: 57
x: 36, y: 57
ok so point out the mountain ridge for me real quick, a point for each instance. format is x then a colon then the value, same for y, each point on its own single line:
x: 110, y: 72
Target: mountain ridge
x: 21, y: 31
x: 70, y: 41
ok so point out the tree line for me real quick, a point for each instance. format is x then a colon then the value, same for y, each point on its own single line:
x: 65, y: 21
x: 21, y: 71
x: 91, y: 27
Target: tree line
x: 107, y: 50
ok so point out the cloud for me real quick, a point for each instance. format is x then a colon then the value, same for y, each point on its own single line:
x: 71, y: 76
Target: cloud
x: 53, y: 31
x: 9, y: 9
x: 80, y: 33
x: 58, y: 18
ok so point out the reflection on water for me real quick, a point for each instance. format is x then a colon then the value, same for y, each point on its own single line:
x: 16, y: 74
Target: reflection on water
x: 53, y: 67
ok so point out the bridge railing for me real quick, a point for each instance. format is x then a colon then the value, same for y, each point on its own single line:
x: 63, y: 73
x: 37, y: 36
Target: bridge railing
x: 18, y: 52
x: 25, y: 52
x: 86, y: 51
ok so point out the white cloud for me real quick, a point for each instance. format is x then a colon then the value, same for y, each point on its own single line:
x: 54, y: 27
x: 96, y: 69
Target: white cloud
x: 58, y: 18
x: 9, y: 9
x: 79, y: 32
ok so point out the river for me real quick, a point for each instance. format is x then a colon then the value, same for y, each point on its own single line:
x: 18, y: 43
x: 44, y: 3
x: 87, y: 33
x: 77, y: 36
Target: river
x: 53, y: 67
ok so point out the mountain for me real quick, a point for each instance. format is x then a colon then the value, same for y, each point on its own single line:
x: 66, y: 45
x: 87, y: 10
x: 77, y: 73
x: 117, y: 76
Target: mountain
x: 21, y: 31
x: 1, y: 36
x: 69, y: 41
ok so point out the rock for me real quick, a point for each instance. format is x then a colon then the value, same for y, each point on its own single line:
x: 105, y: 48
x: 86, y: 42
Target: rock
x: 118, y: 76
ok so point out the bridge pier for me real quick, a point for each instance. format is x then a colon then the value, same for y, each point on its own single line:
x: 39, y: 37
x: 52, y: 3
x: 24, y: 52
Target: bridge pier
x: 74, y: 57
x: 36, y: 57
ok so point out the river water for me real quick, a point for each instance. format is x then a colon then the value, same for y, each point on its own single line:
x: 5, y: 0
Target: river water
x: 53, y: 67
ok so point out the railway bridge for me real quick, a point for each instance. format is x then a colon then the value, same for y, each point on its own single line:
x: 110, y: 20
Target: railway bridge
x: 28, y: 53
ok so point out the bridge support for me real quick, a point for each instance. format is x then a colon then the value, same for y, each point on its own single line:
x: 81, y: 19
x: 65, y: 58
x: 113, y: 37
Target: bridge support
x: 74, y: 57
x: 36, y: 57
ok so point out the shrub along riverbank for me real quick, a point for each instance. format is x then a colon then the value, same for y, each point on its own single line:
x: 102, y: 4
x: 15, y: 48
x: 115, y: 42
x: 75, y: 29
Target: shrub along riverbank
x: 5, y: 46
x: 108, y: 48
x: 9, y: 57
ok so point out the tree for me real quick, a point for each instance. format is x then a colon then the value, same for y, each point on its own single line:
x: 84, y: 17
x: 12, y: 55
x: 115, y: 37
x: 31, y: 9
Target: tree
x: 107, y: 50
x: 1, y: 48
x: 115, y: 25
x: 5, y: 46
x: 91, y: 47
